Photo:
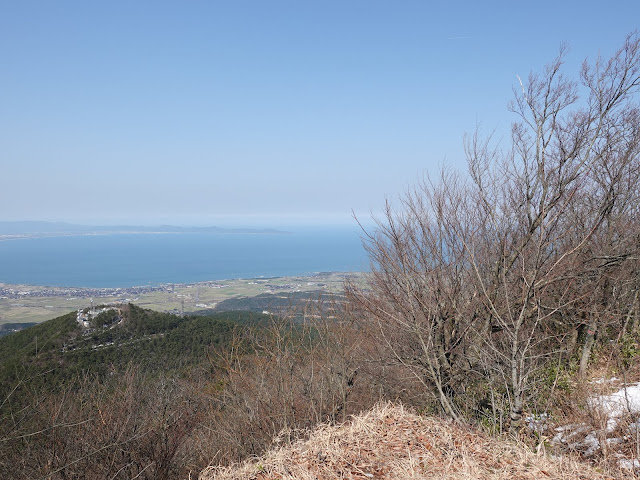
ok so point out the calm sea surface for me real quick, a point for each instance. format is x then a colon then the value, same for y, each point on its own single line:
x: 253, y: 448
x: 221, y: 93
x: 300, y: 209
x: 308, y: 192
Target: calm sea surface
x: 131, y: 260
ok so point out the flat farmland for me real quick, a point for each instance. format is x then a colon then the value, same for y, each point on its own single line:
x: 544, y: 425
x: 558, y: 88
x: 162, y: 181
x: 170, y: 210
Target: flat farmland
x: 28, y: 303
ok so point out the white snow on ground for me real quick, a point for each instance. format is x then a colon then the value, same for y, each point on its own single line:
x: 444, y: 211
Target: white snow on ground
x: 614, y: 407
x: 629, y: 464
x: 592, y: 443
x: 626, y: 400
x: 603, y: 380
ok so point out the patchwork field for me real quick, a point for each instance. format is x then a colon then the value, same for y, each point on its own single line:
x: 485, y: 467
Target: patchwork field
x: 28, y: 303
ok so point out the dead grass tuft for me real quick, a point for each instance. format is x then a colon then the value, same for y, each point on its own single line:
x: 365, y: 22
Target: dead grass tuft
x: 391, y: 442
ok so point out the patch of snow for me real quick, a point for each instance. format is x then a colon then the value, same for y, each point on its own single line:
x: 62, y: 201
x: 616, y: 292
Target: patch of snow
x: 537, y: 422
x: 625, y: 400
x: 634, y: 428
x: 603, y: 380
x: 582, y: 437
x: 627, y: 464
x: 567, y: 432
x: 592, y: 443
x: 577, y: 427
x: 612, y: 423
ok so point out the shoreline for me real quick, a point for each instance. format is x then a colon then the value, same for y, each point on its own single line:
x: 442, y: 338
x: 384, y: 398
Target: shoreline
x: 22, y: 303
x: 33, y: 236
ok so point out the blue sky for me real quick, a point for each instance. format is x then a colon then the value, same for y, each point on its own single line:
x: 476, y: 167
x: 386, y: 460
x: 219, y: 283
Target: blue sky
x: 261, y: 112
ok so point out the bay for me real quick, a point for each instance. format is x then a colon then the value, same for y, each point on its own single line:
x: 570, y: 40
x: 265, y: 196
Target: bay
x: 126, y: 260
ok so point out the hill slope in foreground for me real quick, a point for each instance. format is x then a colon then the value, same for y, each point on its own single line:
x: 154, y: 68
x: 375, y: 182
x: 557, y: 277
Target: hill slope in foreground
x: 392, y: 443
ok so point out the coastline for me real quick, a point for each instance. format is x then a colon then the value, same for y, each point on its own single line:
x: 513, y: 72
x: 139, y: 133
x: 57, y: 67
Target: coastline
x: 21, y: 303
x: 28, y: 236
x: 101, y: 259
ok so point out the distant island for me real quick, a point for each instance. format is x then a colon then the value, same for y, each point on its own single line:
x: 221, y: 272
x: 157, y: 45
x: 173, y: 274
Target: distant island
x: 35, y: 229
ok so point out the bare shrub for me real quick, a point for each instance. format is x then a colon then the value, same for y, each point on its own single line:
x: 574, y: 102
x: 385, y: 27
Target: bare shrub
x: 392, y: 442
x: 282, y: 379
x: 478, y: 282
x: 129, y: 427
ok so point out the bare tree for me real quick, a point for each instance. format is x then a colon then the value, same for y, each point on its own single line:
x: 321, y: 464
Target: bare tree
x: 494, y: 273
x: 418, y: 294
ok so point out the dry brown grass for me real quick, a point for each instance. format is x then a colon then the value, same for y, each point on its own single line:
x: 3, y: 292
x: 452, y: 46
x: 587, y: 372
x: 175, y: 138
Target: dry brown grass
x: 391, y: 442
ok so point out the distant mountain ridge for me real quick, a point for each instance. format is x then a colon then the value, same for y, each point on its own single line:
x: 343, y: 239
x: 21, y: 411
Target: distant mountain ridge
x: 37, y: 228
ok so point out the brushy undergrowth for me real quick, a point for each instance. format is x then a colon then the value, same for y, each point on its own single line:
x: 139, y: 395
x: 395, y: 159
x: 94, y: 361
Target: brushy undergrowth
x: 390, y: 441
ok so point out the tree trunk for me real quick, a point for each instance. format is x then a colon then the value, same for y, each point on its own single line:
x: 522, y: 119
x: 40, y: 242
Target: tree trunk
x: 516, y: 414
x: 588, y: 344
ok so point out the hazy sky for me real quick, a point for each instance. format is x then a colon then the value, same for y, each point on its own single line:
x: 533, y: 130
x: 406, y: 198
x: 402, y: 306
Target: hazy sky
x: 257, y: 111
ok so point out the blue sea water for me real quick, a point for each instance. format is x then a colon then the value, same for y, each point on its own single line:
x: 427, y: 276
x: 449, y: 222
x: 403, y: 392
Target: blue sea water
x: 126, y: 260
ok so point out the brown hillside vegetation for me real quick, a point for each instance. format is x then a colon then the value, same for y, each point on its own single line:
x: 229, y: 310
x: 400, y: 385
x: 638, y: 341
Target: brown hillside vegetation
x: 391, y: 442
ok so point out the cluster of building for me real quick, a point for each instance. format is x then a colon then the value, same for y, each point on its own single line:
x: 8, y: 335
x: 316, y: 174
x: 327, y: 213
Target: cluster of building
x: 12, y: 292
x: 85, y: 315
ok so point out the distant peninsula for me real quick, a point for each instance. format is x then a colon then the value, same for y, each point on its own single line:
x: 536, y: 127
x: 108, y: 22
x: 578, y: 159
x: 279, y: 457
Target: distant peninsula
x: 11, y: 230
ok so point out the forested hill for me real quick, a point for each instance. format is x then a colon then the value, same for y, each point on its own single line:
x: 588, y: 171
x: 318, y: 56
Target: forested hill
x: 117, y: 336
